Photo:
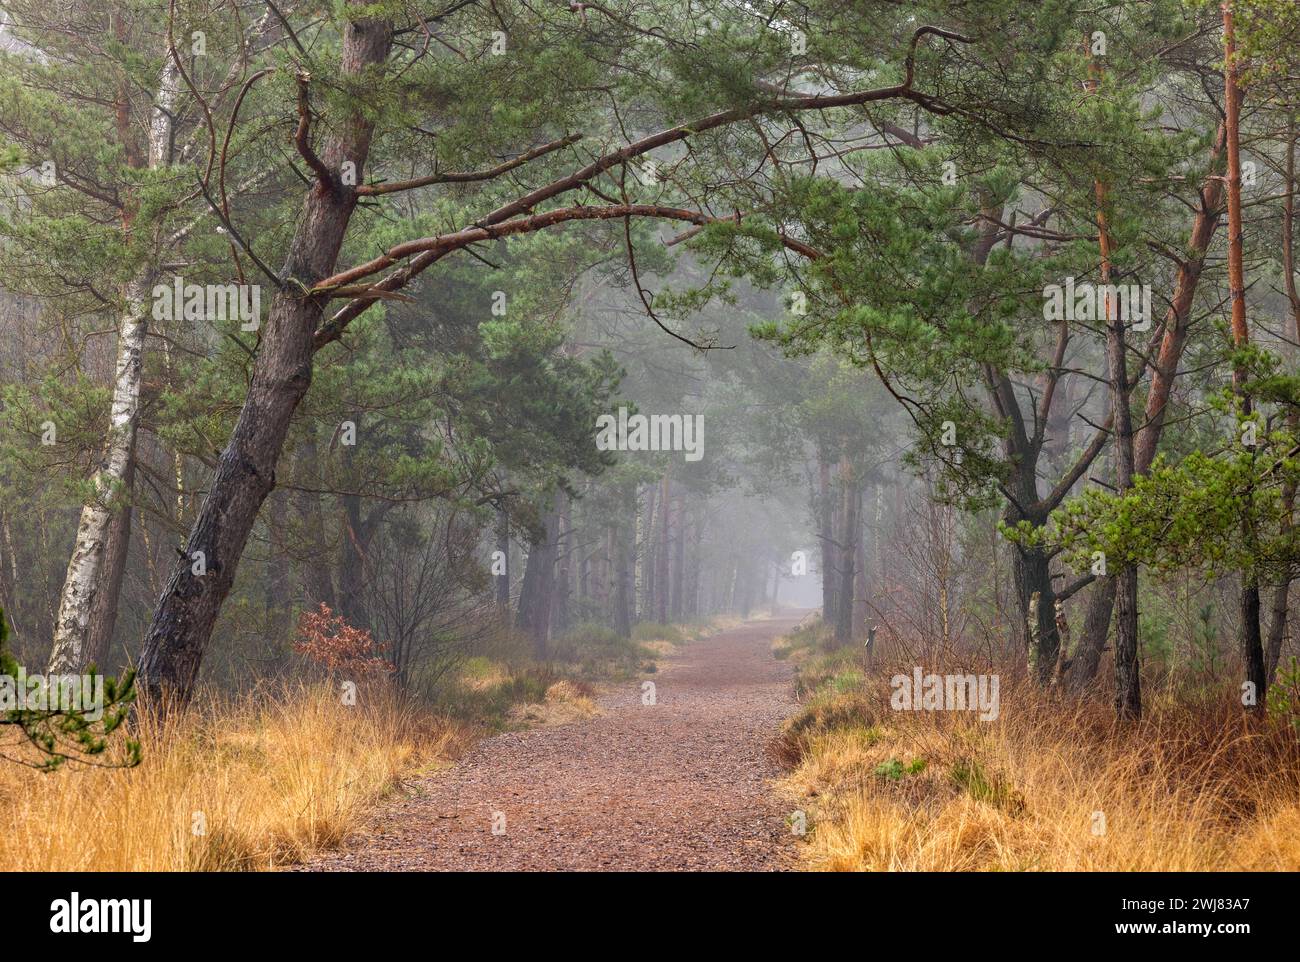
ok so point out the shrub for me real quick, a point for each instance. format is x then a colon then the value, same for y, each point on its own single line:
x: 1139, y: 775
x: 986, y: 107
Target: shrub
x: 330, y: 642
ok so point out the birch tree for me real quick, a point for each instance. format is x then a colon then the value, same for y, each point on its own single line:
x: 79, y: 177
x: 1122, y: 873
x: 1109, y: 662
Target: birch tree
x: 66, y: 50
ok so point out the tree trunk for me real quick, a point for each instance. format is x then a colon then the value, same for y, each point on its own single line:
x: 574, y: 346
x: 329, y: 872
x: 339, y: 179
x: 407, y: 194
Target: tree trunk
x: 1276, y: 630
x: 584, y: 579
x: 1032, y: 572
x: 744, y: 589
x: 1252, y: 647
x: 826, y: 537
x: 679, y: 558
x: 87, y: 574
x: 103, y: 611
x: 619, y: 539
x: 502, y: 581
x: 182, y: 624
x: 354, y: 549
x: 1128, y: 680
x: 1128, y: 690
x: 536, y: 596
x: 693, y: 582
x: 1101, y: 600
x: 1096, y: 629
x: 646, y: 556
x: 860, y: 578
x: 1281, y: 594
x: 89, y: 571
x: 848, y: 546
x: 317, y: 578
x: 661, y: 555
x: 606, y: 583
x: 563, y: 547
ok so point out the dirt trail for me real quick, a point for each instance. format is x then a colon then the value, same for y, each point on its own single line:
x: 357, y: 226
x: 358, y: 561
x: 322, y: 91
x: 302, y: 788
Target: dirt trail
x: 681, y: 784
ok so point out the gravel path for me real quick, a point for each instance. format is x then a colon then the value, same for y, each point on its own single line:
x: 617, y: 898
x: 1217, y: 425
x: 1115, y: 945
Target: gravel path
x: 683, y: 784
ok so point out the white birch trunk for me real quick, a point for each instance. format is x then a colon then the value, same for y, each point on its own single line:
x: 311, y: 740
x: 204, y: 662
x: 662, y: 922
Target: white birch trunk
x: 86, y: 567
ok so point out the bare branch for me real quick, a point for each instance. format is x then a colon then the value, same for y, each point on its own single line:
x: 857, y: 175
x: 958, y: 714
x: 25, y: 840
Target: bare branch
x: 452, y: 177
x: 302, y: 136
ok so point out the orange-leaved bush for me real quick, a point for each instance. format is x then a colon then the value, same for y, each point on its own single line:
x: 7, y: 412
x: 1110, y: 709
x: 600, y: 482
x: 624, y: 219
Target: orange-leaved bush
x: 329, y: 641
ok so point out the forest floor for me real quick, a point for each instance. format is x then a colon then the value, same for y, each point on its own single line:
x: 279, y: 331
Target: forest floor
x: 683, y: 783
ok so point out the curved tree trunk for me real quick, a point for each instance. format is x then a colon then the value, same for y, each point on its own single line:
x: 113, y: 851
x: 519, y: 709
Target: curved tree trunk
x: 354, y: 563
x: 183, y: 621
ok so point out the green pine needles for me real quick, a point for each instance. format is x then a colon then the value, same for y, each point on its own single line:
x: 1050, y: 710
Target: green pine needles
x: 67, y: 717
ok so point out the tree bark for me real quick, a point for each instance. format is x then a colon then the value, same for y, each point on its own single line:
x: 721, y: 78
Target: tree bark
x: 1101, y: 600
x: 662, y: 552
x: 620, y: 539
x: 826, y: 536
x: 1281, y: 594
x: 563, y: 547
x: 1032, y: 573
x: 354, y: 550
x: 1128, y: 687
x: 679, y: 557
x: 1252, y: 647
x: 1277, y: 629
x: 693, y: 581
x: 87, y: 575
x: 182, y: 624
x: 847, y: 550
x: 103, y: 611
x: 502, y: 581
x: 646, y: 557
x: 860, y: 578
x: 536, y: 596
x: 105, y: 524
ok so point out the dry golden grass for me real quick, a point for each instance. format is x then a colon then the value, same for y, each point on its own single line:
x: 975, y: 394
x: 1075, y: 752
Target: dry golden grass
x: 661, y: 648
x: 565, y: 702
x: 1187, y: 788
x: 269, y: 780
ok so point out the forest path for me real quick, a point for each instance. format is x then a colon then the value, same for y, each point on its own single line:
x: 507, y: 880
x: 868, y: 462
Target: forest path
x: 681, y: 784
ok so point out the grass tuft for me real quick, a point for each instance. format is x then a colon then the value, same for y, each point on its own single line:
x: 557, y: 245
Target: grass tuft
x: 1051, y: 784
x: 253, y: 784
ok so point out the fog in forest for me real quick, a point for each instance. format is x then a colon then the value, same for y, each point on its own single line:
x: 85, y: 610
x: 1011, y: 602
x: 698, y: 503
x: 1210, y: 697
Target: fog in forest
x: 649, y: 435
